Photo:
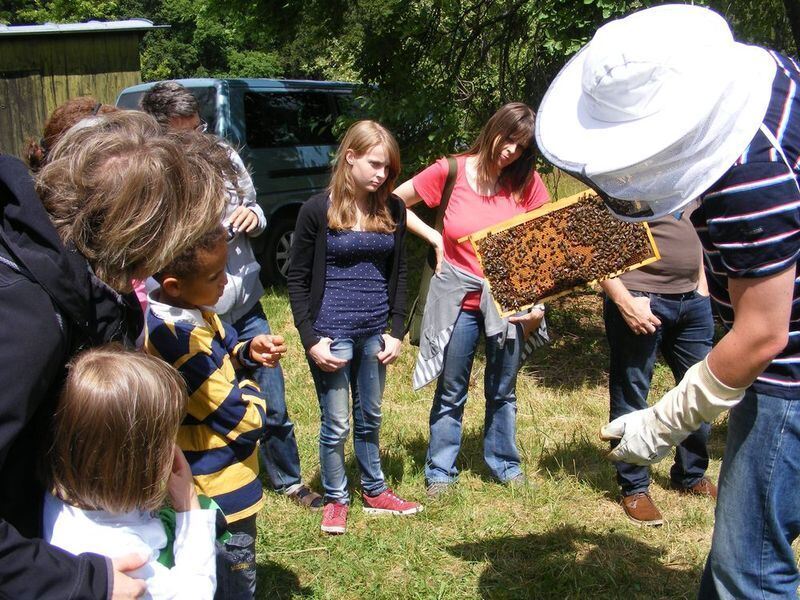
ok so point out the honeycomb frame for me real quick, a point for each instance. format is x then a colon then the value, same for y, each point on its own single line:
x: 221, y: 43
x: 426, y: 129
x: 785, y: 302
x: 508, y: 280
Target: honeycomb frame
x: 550, y: 260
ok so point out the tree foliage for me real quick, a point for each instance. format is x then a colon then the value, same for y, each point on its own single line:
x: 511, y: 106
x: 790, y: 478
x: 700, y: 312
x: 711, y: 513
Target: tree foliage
x: 432, y: 70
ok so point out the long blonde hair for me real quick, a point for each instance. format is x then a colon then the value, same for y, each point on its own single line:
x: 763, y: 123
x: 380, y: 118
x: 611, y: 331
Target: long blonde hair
x: 513, y: 121
x: 115, y: 430
x: 360, y: 138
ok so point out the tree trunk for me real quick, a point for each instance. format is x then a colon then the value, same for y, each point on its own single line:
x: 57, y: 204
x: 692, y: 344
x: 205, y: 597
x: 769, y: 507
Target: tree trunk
x: 793, y: 13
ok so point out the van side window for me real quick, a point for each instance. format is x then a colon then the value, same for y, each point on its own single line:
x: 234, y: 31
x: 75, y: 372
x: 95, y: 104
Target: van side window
x: 278, y: 119
x: 207, y: 100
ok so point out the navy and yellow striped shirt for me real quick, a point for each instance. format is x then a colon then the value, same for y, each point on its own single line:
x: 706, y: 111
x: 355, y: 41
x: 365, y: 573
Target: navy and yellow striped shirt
x: 749, y: 221
x: 225, y: 416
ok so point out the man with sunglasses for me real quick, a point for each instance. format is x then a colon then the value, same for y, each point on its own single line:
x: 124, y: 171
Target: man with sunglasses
x: 658, y: 109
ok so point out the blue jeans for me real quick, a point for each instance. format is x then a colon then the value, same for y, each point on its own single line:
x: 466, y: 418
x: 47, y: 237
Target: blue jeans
x: 499, y: 385
x: 758, y: 508
x: 684, y: 337
x: 365, y: 377
x: 278, y: 445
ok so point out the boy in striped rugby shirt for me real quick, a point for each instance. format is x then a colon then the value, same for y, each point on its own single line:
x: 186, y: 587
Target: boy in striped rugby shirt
x: 225, y: 415
x: 670, y: 108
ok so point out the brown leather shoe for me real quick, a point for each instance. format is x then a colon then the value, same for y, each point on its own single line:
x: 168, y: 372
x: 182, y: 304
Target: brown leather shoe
x: 640, y: 509
x: 704, y: 487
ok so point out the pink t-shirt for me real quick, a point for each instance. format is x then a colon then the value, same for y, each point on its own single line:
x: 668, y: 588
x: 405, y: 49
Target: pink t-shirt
x: 140, y: 290
x: 468, y: 212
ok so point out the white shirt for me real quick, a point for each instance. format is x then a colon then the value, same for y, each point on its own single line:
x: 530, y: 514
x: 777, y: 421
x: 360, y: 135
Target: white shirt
x: 244, y: 288
x: 194, y: 574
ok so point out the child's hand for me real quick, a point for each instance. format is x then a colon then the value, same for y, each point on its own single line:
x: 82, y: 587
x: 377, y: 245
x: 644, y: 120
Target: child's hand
x: 267, y: 349
x: 243, y: 219
x: 180, y: 485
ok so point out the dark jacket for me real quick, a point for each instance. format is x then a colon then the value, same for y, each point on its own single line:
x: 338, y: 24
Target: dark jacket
x: 50, y: 307
x: 306, y: 277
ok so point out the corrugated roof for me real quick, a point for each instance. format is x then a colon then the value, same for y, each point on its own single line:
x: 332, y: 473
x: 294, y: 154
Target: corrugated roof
x: 88, y: 27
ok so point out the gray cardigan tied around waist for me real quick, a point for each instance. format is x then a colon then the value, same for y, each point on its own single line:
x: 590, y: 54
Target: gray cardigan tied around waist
x: 442, y: 305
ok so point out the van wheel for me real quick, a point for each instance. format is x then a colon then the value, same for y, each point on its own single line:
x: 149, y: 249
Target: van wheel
x: 275, y: 259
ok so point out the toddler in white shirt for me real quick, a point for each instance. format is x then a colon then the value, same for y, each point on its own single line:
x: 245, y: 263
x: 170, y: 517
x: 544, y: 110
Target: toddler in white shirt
x: 114, y: 462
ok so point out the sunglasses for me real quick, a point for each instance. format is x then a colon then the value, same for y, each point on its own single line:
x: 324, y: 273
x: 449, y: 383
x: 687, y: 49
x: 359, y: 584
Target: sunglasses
x: 202, y: 126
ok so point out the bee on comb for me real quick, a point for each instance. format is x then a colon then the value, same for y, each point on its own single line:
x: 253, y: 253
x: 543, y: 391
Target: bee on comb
x: 557, y: 248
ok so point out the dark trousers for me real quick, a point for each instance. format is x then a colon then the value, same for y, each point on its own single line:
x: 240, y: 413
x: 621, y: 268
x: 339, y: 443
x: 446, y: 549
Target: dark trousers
x: 278, y: 445
x: 684, y: 338
x: 236, y: 562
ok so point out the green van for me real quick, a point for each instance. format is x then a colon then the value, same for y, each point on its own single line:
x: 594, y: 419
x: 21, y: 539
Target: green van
x: 283, y: 131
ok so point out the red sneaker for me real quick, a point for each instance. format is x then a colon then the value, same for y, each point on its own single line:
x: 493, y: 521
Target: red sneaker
x: 334, y: 518
x: 386, y: 503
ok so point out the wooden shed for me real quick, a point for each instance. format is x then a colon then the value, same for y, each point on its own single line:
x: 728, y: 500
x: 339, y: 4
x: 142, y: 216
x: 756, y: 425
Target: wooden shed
x: 42, y: 66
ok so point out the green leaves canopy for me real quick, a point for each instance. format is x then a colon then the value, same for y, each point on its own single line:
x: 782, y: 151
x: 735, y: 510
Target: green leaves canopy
x: 432, y: 70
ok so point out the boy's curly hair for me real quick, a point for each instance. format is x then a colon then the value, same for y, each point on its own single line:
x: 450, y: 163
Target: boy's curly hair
x: 185, y: 265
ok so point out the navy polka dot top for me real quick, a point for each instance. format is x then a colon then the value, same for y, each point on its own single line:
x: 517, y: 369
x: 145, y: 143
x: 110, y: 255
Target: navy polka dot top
x: 356, y: 299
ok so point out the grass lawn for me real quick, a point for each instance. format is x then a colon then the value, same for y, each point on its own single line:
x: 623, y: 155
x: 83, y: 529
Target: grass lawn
x: 564, y: 537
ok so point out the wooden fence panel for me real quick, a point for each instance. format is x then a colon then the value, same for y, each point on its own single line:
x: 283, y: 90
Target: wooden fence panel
x: 22, y: 111
x: 65, y: 66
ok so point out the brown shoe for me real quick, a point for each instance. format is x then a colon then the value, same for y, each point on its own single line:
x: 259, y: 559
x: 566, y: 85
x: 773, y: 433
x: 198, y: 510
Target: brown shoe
x: 704, y: 487
x: 306, y: 497
x: 640, y: 509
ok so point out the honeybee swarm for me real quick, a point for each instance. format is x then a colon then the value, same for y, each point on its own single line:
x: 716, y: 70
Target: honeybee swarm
x: 559, y: 251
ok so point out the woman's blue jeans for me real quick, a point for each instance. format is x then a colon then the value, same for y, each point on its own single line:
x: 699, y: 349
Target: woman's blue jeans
x: 499, y: 384
x: 758, y: 508
x: 364, y: 376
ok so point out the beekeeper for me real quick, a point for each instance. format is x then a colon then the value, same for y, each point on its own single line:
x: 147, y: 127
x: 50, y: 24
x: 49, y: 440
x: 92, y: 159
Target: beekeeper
x: 659, y: 108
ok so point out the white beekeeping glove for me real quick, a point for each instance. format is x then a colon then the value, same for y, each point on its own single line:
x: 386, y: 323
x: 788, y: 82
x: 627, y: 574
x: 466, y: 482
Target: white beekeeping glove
x: 647, y: 435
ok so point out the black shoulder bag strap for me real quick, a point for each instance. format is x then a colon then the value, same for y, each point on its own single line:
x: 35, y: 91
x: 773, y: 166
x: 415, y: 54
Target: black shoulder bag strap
x: 414, y: 324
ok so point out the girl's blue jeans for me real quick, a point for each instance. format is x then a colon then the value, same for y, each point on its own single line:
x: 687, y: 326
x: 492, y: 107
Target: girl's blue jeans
x: 364, y: 378
x: 499, y: 386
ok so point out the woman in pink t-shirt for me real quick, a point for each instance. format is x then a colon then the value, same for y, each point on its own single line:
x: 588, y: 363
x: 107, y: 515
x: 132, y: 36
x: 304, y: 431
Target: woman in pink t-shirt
x: 495, y: 180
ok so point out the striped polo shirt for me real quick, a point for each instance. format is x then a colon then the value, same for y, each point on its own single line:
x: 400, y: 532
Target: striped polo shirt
x: 225, y: 416
x: 749, y: 221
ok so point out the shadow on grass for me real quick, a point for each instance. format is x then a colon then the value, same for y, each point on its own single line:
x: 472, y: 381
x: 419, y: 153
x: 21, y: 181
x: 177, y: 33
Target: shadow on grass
x: 393, y: 461
x: 716, y: 439
x: 577, y: 355
x: 579, y: 457
x: 417, y: 448
x: 572, y: 562
x: 280, y: 581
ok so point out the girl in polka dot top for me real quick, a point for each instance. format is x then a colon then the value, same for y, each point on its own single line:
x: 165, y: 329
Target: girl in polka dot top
x: 347, y: 290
